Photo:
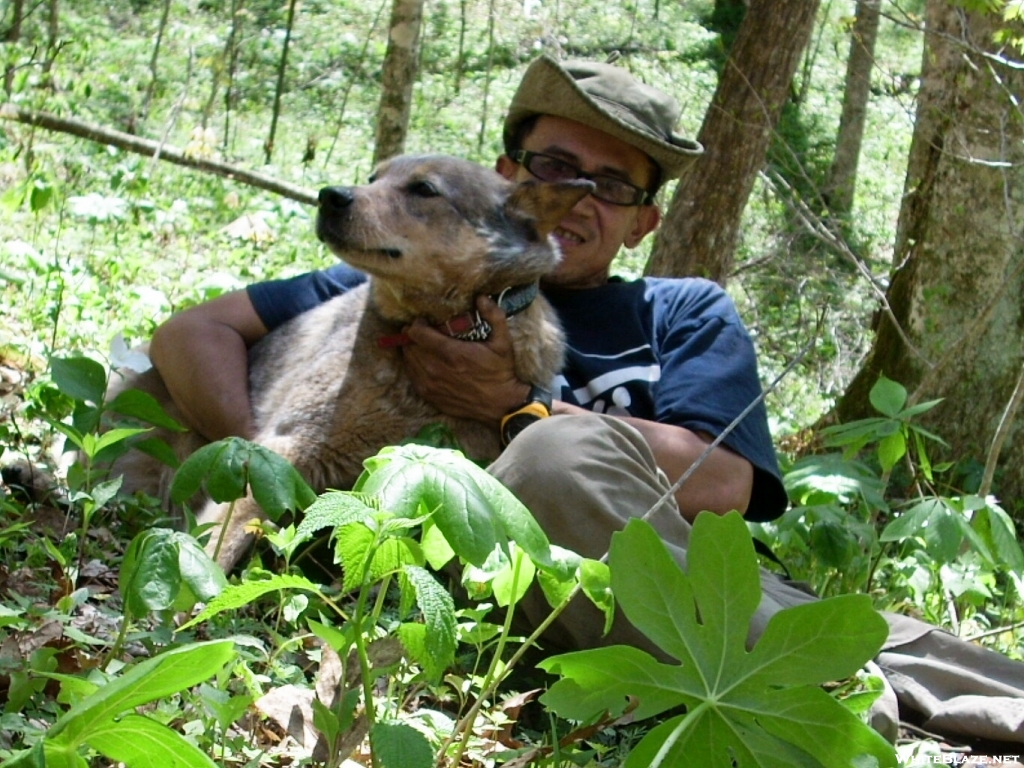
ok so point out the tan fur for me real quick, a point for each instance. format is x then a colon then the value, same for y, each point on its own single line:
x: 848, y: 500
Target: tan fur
x: 433, y: 233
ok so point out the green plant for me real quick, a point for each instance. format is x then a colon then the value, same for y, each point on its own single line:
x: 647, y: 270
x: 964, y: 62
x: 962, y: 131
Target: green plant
x: 757, y: 708
x: 459, y: 511
x: 104, y: 720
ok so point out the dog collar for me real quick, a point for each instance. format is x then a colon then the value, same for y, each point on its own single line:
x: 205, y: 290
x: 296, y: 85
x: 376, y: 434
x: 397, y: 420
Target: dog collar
x: 469, y: 326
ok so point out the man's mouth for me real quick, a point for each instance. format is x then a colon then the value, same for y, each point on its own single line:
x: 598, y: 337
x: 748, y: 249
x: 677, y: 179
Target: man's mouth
x: 567, y: 237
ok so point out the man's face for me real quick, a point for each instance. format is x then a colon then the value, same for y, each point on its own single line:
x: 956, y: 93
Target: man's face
x: 594, y: 231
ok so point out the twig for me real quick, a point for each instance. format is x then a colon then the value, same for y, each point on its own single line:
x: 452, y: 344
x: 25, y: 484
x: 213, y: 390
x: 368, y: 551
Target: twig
x: 994, y: 632
x: 734, y: 423
x: 1002, y: 432
x: 150, y: 148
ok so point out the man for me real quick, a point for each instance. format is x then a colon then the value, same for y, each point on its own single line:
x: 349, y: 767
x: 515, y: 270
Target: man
x: 667, y: 363
x: 656, y: 368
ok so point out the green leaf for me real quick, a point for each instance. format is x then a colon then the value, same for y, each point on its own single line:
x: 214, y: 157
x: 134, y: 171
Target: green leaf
x: 139, y: 742
x: 236, y: 595
x: 911, y: 522
x: 147, y: 681
x: 473, y: 510
x: 997, y: 529
x: 513, y: 581
x: 115, y: 436
x: 595, y: 580
x: 436, y: 549
x: 333, y: 510
x: 888, y: 397
x: 136, y: 404
x: 438, y: 610
x: 80, y: 378
x: 891, y: 449
x: 150, y: 577
x: 833, y: 543
x: 163, y: 568
x: 397, y: 745
x: 763, y: 707
x: 225, y: 468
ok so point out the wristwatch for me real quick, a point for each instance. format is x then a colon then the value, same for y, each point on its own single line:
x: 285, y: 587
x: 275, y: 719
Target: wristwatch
x: 536, y: 407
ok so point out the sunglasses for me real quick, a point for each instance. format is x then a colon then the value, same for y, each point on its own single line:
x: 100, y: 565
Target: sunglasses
x: 607, y: 188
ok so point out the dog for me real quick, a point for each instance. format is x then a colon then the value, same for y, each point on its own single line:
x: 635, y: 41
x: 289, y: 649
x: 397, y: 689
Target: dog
x: 328, y: 388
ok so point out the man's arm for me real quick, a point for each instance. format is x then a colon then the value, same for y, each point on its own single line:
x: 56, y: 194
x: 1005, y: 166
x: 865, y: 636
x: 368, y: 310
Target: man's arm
x: 477, y: 381
x: 202, y: 356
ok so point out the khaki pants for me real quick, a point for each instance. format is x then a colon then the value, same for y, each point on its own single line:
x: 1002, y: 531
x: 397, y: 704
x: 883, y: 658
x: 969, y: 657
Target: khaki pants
x: 583, y: 477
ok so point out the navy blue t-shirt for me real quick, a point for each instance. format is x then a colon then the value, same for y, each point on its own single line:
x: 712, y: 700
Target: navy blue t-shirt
x: 666, y: 350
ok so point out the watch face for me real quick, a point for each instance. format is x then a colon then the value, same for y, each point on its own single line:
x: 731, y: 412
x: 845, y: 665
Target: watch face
x: 516, y: 423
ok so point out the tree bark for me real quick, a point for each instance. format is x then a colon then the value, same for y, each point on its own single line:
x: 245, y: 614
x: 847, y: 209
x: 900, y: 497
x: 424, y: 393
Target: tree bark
x: 400, y: 66
x: 699, y: 234
x: 843, y: 173
x: 958, y: 282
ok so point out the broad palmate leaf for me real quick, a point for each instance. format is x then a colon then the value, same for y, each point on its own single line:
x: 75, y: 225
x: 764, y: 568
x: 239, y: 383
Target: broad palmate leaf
x: 761, y: 707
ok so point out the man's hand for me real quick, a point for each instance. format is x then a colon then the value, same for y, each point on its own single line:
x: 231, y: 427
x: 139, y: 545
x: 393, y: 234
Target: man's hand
x: 467, y: 379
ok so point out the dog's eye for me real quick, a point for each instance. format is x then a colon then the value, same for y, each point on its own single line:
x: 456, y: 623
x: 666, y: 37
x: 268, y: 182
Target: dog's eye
x: 424, y: 189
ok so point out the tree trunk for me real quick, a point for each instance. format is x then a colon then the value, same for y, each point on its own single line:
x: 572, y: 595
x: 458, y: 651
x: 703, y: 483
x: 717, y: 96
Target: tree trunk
x: 958, y: 283
x: 154, y: 60
x: 13, y: 35
x: 698, y: 236
x: 843, y: 173
x: 398, y: 78
x: 268, y: 145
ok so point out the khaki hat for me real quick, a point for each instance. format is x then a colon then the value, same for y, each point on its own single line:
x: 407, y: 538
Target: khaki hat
x: 608, y: 98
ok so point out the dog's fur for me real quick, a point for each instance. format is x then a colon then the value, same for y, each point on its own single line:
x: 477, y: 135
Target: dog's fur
x: 432, y: 233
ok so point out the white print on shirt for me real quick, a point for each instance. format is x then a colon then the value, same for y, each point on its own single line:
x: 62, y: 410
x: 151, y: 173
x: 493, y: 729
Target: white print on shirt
x: 607, y: 390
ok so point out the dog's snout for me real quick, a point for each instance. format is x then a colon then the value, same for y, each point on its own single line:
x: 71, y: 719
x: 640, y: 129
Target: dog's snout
x: 335, y: 198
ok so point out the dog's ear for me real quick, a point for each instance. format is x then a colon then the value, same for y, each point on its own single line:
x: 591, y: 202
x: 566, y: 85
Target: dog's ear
x: 545, y: 204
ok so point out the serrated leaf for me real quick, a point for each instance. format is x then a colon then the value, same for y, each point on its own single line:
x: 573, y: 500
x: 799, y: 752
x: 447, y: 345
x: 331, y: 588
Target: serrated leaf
x: 79, y: 377
x: 397, y: 745
x: 888, y: 397
x: 333, y: 510
x: 236, y: 595
x: 473, y: 510
x: 139, y: 742
x: 438, y: 611
x: 761, y: 708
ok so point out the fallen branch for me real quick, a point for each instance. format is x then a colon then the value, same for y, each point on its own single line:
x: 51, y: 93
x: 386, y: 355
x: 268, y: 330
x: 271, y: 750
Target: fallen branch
x: 149, y: 148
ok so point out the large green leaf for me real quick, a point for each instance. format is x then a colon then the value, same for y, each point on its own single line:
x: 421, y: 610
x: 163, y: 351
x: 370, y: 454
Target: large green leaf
x: 888, y: 396
x: 473, y: 510
x: 147, y: 681
x: 236, y: 595
x: 139, y: 742
x: 225, y: 468
x: 79, y: 377
x: 760, y: 708
x: 397, y: 745
x: 140, y: 405
x: 164, y: 568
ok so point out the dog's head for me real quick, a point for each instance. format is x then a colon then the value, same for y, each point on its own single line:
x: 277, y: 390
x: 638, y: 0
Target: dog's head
x: 436, y: 231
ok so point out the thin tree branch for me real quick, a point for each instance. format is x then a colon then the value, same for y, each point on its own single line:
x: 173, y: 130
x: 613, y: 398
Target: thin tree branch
x: 1002, y: 432
x: 150, y: 148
